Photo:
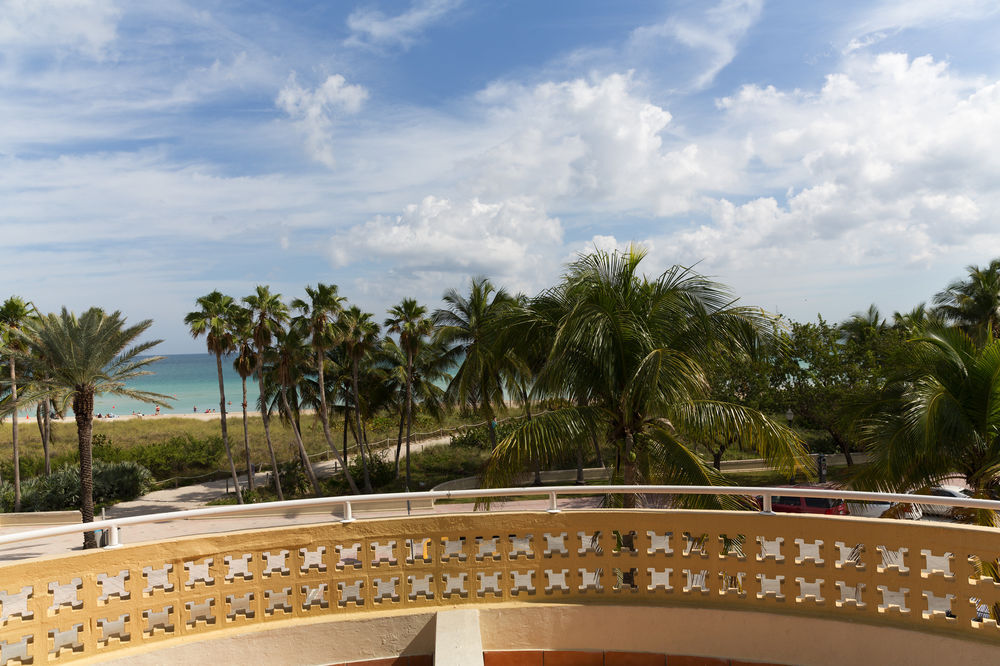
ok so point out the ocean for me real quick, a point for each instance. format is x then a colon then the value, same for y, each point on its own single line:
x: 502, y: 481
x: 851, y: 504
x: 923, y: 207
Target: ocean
x: 191, y: 380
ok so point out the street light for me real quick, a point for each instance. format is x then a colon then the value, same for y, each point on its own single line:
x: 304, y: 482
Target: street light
x: 789, y: 416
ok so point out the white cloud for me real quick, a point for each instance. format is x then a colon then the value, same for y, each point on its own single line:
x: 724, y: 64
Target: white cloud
x: 590, y: 144
x: 370, y: 27
x: 882, y: 19
x: 894, y: 160
x: 315, y: 110
x: 512, y: 239
x: 713, y: 35
x: 82, y: 26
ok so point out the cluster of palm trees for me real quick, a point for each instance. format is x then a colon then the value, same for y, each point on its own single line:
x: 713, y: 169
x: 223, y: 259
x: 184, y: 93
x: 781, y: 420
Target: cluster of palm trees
x: 937, y: 415
x: 628, y: 359
x: 319, y: 352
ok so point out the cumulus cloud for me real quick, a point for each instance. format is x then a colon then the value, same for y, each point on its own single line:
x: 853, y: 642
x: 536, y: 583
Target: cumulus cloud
x: 370, y: 27
x: 316, y: 110
x: 593, y: 144
x: 82, y: 26
x: 506, y: 238
x: 893, y: 160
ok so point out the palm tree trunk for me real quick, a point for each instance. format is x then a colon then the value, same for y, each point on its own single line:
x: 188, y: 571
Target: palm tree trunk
x: 83, y: 411
x: 399, y: 435
x: 357, y: 419
x: 13, y: 437
x: 347, y: 422
x: 409, y: 411
x: 246, y: 438
x: 47, y: 436
x: 597, y: 447
x: 629, y: 472
x: 266, y: 418
x: 324, y: 418
x: 579, y: 465
x: 225, y: 433
x: 306, y: 463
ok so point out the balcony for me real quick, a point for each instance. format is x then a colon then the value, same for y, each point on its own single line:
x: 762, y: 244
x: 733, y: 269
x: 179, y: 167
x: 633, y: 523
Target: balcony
x: 750, y: 586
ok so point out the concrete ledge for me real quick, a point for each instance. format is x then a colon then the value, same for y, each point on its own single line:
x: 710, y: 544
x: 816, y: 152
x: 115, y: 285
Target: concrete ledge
x: 526, y: 628
x: 457, y: 640
x: 28, y: 518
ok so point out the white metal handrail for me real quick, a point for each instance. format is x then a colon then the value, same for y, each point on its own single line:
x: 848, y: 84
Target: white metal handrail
x: 348, y: 502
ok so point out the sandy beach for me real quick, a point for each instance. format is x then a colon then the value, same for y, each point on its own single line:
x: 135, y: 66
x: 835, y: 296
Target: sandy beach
x: 197, y: 416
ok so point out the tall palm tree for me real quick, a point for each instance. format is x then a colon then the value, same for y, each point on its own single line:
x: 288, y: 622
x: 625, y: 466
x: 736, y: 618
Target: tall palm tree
x: 93, y: 354
x: 408, y: 321
x: 267, y: 314
x: 244, y: 365
x: 359, y: 335
x: 465, y: 324
x: 286, y: 358
x: 636, y: 349
x: 936, y: 417
x: 215, y: 321
x: 974, y: 303
x: 321, y: 312
x: 13, y: 315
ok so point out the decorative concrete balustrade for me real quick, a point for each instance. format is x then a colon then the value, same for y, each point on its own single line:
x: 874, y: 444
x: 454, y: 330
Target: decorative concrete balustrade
x: 923, y: 576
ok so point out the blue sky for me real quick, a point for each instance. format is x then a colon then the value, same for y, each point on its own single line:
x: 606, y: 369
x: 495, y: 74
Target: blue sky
x: 815, y: 156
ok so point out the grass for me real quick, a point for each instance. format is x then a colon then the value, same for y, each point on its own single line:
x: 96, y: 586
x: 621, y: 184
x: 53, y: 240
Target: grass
x: 126, y: 434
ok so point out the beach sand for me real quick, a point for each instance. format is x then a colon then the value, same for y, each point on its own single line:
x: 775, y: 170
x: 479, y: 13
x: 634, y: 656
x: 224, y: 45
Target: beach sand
x: 197, y: 416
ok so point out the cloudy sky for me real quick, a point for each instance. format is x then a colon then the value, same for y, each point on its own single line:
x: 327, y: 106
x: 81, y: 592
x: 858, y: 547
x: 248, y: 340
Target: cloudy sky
x: 815, y: 156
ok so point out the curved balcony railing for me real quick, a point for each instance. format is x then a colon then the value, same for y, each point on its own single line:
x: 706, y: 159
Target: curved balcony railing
x: 932, y: 577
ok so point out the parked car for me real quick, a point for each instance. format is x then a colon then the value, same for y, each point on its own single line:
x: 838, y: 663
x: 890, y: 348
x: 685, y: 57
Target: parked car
x: 797, y: 504
x: 944, y: 491
x: 878, y: 509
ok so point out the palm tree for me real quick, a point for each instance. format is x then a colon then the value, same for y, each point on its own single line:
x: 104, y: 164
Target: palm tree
x: 465, y: 324
x: 359, y: 335
x: 13, y: 315
x: 408, y: 321
x: 321, y: 311
x: 244, y: 365
x: 267, y: 314
x: 936, y: 417
x: 974, y: 303
x: 286, y: 358
x: 215, y: 321
x: 863, y: 325
x: 635, y: 350
x: 82, y: 357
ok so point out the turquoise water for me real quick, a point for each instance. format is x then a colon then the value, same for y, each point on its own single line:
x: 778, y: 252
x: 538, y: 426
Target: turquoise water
x: 191, y: 379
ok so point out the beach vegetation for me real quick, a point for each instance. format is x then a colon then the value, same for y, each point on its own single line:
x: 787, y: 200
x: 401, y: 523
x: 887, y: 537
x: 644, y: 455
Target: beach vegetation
x: 631, y: 354
x: 320, y: 315
x: 408, y: 320
x: 14, y: 313
x: 95, y: 353
x: 215, y: 320
x: 267, y: 315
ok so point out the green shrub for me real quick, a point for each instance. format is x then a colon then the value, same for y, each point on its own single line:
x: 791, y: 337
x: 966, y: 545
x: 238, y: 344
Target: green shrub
x: 293, y: 478
x: 113, y: 482
x: 178, y: 456
x: 479, y: 436
x: 381, y: 470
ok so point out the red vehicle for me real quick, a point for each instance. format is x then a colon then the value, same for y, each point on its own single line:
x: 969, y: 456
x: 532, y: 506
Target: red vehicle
x: 797, y: 504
